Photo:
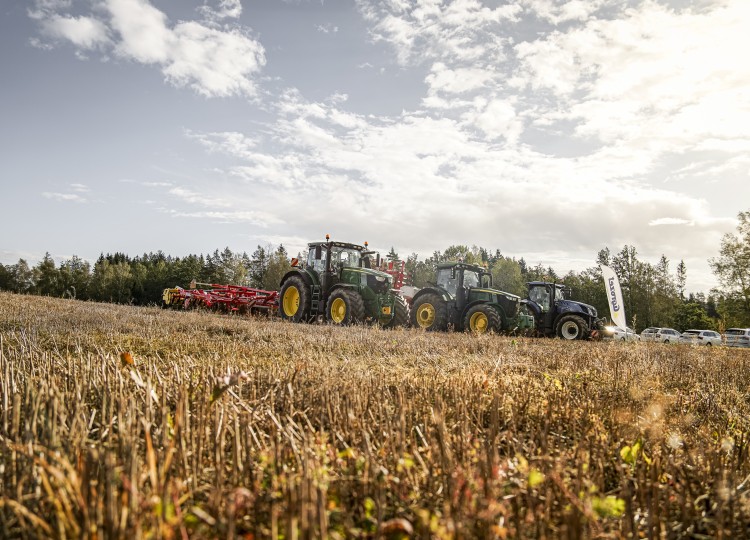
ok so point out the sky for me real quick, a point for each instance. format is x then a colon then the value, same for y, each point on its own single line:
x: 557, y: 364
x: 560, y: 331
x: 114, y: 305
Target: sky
x: 547, y: 129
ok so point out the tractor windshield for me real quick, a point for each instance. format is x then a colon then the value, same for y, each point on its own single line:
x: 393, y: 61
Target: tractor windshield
x: 446, y: 280
x: 345, y: 257
x: 540, y: 295
x: 471, y: 278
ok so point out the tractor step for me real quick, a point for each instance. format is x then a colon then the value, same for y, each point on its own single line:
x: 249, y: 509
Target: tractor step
x: 315, y: 299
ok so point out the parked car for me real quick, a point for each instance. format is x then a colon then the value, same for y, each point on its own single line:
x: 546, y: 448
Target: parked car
x: 616, y: 333
x: 701, y: 337
x: 667, y: 335
x: 737, y: 337
x: 649, y: 334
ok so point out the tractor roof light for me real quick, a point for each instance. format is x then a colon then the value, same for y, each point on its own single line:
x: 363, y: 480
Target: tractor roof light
x: 328, y: 237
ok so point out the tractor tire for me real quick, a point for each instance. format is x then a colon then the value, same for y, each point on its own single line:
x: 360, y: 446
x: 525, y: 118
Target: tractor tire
x: 481, y: 319
x: 572, y: 327
x: 345, y: 307
x: 294, y: 300
x: 429, y: 312
x: 400, y: 313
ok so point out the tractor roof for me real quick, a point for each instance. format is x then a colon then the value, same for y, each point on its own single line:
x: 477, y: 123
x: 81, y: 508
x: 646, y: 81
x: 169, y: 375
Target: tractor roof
x: 454, y: 264
x: 337, y: 244
x: 558, y: 285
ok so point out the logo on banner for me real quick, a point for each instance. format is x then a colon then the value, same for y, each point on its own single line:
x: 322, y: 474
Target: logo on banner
x: 613, y: 294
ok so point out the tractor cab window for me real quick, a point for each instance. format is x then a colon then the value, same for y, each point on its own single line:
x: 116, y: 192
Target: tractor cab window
x: 446, y: 281
x: 560, y: 293
x: 319, y: 265
x: 345, y: 257
x: 471, y: 279
x: 540, y: 295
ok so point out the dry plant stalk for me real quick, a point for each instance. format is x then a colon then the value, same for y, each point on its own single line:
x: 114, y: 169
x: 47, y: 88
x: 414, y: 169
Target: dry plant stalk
x: 220, y: 426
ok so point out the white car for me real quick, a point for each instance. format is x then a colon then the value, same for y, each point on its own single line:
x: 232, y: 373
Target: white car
x: 737, y: 337
x: 667, y: 335
x: 616, y: 333
x: 701, y: 337
x: 649, y: 334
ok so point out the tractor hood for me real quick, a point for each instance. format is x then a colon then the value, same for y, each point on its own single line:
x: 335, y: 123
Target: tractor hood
x: 375, y: 279
x: 573, y: 306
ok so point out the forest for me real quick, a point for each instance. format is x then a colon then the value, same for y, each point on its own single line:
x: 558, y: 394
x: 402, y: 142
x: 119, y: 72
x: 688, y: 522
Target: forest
x: 654, y: 294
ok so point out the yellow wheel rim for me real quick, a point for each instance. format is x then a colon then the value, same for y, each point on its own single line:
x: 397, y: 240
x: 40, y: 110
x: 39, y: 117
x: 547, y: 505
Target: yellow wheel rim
x: 479, y: 322
x: 290, y: 302
x: 425, y: 315
x: 338, y: 310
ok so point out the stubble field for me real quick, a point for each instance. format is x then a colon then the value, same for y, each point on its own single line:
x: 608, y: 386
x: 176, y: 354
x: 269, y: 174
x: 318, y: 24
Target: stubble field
x: 123, y: 422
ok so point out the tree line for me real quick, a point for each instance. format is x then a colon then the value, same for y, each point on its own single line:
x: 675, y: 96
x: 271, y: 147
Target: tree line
x: 653, y: 294
x: 141, y: 280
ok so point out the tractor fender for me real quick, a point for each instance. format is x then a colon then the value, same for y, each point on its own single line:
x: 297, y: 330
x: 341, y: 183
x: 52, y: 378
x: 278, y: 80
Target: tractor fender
x: 435, y: 290
x: 306, y: 277
x: 343, y: 286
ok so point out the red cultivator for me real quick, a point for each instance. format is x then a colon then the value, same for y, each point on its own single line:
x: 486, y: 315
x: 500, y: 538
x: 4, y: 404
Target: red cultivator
x: 226, y: 298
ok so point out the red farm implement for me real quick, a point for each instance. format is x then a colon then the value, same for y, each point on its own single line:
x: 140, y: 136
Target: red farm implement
x: 226, y: 298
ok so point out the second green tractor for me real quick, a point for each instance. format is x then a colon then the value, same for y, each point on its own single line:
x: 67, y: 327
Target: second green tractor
x: 463, y: 297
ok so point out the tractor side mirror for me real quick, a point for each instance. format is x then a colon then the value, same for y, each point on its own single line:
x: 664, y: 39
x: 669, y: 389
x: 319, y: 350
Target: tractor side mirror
x: 318, y: 253
x: 377, y: 260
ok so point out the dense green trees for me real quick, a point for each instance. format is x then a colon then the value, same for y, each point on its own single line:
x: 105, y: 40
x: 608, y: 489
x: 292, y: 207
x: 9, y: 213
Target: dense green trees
x: 652, y: 294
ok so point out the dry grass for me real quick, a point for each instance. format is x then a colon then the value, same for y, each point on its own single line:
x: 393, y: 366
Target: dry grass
x: 219, y: 426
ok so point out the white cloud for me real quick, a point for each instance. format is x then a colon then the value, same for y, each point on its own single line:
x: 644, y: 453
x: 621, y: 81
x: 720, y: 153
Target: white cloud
x: 258, y: 219
x: 214, y: 61
x: 202, y: 199
x: 227, y: 9
x: 80, y: 188
x: 84, y: 32
x: 669, y: 221
x: 63, y: 197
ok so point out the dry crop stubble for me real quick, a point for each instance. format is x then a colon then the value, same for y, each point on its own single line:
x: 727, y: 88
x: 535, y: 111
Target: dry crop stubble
x: 230, y: 426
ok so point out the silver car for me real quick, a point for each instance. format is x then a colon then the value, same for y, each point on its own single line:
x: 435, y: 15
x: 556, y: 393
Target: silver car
x: 667, y: 335
x: 649, y: 334
x: 701, y: 337
x: 737, y: 337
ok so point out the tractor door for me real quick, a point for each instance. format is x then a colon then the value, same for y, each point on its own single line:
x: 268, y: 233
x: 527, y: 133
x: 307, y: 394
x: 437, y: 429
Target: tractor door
x: 543, y: 295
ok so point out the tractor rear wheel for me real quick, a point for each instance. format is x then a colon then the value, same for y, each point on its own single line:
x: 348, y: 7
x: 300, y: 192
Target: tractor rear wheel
x: 294, y: 302
x: 481, y: 319
x: 430, y: 312
x: 400, y: 313
x: 345, y: 307
x: 572, y: 327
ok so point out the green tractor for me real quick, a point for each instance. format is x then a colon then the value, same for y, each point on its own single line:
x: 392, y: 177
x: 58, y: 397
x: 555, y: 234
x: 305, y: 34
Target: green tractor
x: 464, y: 298
x: 338, y: 284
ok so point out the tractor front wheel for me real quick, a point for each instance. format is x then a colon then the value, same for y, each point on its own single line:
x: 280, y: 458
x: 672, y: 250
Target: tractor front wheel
x: 294, y: 303
x: 345, y: 307
x: 430, y: 313
x: 400, y: 313
x: 482, y: 319
x: 572, y: 327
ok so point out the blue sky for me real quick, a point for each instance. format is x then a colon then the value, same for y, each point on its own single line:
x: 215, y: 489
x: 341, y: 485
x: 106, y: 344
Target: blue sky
x: 547, y: 129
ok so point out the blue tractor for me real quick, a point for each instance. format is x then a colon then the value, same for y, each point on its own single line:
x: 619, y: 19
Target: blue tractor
x: 556, y: 315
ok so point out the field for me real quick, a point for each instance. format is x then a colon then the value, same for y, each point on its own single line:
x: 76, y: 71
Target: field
x: 123, y: 422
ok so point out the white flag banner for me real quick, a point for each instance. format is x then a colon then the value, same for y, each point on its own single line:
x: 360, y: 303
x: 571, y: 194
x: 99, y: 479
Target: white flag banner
x: 614, y: 295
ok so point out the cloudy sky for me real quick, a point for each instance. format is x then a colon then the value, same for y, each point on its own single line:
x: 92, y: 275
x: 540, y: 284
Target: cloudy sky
x: 547, y: 129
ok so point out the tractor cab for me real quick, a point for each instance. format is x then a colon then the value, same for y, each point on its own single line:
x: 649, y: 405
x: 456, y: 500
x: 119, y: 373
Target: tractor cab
x: 546, y: 294
x: 452, y: 276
